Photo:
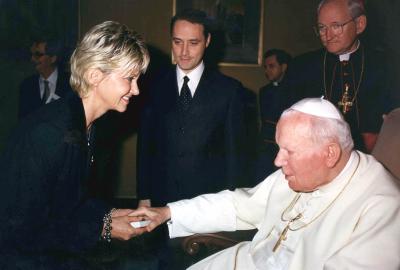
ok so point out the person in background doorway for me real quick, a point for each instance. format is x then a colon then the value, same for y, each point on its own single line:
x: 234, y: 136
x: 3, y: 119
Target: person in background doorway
x: 274, y: 98
x: 50, y: 83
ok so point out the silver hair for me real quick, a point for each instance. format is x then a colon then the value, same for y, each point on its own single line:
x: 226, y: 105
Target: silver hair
x: 326, y: 130
x: 109, y: 46
x: 356, y: 7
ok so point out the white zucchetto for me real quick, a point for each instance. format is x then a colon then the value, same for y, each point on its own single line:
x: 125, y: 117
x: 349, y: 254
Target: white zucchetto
x: 318, y: 107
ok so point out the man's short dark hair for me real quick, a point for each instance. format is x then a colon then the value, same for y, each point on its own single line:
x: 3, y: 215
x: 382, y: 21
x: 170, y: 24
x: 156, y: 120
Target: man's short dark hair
x: 281, y: 56
x: 193, y: 16
x: 54, y: 46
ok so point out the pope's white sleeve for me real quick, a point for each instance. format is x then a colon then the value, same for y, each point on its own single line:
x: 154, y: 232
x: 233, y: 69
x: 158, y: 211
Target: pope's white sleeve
x: 227, y: 210
x: 203, y: 214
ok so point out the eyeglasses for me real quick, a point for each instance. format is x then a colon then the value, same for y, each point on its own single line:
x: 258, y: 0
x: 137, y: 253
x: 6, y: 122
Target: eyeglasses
x: 38, y: 54
x: 336, y: 28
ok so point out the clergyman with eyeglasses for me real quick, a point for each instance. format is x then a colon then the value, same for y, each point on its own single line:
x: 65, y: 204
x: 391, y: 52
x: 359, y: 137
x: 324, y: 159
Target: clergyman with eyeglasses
x: 345, y: 71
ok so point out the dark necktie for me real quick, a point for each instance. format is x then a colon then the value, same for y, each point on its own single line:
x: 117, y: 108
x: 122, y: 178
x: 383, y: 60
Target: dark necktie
x: 46, y: 93
x: 185, y: 97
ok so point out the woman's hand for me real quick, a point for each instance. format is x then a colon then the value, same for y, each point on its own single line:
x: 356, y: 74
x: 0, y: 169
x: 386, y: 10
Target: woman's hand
x: 121, y: 228
x: 157, y: 215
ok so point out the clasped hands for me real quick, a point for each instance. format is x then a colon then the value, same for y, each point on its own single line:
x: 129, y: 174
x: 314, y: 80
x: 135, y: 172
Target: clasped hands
x: 121, y: 219
x: 156, y: 215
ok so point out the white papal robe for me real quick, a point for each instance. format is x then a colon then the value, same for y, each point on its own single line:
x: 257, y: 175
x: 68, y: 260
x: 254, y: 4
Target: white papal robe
x: 359, y: 230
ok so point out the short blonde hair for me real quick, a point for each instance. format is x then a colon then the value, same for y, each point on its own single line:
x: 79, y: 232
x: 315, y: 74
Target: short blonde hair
x: 108, y: 46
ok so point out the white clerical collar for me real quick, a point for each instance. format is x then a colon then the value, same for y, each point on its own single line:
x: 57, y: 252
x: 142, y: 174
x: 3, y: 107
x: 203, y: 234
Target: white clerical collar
x: 341, y: 179
x: 275, y: 83
x: 194, y: 77
x: 346, y: 56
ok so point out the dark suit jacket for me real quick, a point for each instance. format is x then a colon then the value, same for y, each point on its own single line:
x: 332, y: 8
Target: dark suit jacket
x: 181, y: 157
x: 29, y: 92
x: 44, y: 204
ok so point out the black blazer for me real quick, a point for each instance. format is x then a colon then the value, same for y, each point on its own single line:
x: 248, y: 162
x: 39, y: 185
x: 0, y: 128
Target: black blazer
x: 44, y: 204
x: 181, y: 157
x: 29, y: 92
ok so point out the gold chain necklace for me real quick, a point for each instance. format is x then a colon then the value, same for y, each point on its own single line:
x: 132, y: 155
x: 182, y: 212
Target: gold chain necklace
x: 282, y: 236
x: 344, y: 101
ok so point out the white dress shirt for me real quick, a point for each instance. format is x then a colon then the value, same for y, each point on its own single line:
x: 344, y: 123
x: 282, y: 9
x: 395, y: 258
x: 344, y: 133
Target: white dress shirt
x: 194, y: 77
x: 52, y: 79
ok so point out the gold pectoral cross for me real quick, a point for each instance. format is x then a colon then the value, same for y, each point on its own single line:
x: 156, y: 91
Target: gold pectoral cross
x: 345, y: 102
x: 282, y: 236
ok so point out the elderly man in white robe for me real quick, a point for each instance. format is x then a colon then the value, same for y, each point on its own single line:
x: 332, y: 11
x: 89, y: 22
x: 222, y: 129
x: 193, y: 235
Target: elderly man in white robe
x: 328, y: 207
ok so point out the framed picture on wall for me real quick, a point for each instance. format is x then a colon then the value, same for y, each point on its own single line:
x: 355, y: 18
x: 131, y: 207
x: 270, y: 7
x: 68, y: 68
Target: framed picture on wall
x: 237, y: 28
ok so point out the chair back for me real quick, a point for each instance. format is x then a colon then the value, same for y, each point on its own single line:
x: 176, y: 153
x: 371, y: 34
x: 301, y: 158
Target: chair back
x: 387, y: 147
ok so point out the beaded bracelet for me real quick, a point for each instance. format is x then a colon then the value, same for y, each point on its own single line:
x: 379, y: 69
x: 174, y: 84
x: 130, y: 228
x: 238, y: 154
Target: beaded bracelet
x: 107, y: 219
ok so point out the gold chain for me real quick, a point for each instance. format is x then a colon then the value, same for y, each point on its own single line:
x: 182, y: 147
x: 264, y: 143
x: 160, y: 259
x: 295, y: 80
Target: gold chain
x: 297, y: 197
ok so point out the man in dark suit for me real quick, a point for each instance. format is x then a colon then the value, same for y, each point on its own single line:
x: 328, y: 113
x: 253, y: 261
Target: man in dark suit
x: 49, y: 84
x: 192, y: 128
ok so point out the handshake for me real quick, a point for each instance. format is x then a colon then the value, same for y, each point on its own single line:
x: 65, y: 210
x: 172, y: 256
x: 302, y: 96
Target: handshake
x: 128, y: 223
x: 150, y: 217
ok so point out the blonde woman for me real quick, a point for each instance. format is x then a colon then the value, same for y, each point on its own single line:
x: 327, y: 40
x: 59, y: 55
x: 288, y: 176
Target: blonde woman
x: 48, y: 217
